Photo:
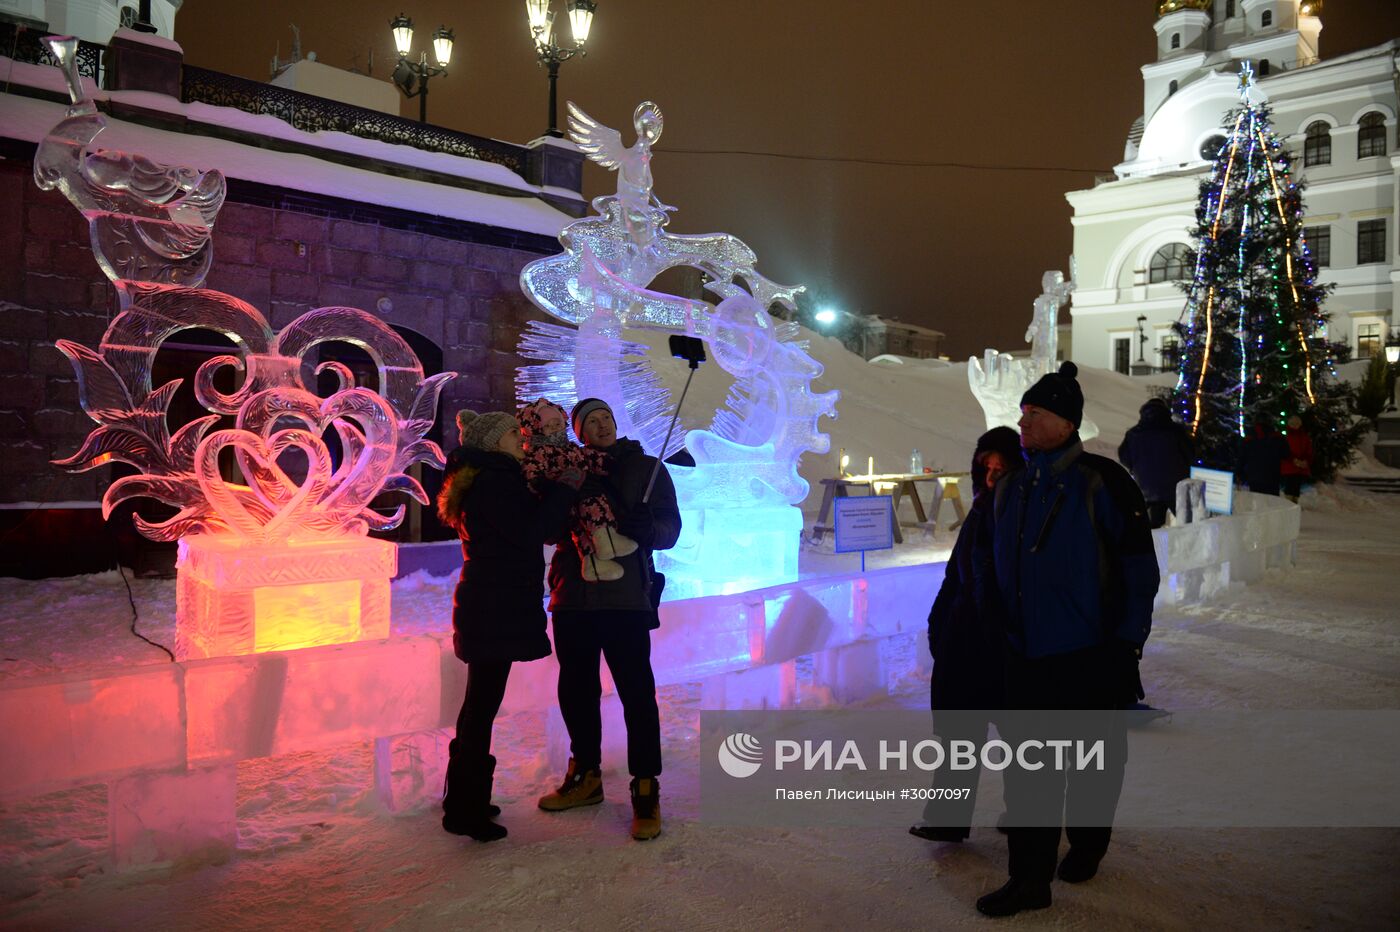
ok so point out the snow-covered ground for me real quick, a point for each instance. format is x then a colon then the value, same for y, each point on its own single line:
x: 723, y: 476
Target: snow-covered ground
x: 316, y: 848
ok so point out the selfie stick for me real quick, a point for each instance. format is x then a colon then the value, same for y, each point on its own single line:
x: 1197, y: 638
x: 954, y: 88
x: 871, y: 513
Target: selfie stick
x: 693, y: 354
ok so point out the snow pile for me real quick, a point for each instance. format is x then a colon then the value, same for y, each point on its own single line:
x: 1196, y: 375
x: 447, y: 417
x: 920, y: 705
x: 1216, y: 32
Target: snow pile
x: 889, y: 410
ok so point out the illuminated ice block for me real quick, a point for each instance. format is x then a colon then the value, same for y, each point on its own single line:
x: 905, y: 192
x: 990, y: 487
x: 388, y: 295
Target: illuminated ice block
x: 235, y: 599
x: 70, y: 729
x: 852, y: 673
x: 773, y: 686
x: 727, y: 550
x: 178, y: 814
x: 409, y: 769
x: 263, y: 705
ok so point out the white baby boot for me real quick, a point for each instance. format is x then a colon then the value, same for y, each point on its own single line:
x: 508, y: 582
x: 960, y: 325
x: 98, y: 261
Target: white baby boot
x: 596, y: 569
x: 609, y: 543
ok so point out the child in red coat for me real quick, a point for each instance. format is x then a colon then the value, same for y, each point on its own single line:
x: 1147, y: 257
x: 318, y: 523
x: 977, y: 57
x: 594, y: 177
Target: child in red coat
x: 548, y: 453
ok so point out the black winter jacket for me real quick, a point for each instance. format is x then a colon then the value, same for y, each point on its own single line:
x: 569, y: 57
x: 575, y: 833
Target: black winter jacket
x: 498, y: 608
x: 629, y: 469
x: 1158, y: 452
x: 966, y: 640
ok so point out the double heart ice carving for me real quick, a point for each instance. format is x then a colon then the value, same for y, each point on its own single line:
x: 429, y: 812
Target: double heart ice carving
x: 294, y: 487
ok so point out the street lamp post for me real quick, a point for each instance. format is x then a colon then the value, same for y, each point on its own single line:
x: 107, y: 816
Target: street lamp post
x: 1392, y: 357
x: 412, y: 77
x: 552, y: 55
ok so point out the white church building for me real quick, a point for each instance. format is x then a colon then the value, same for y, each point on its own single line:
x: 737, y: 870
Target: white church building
x: 1336, y: 117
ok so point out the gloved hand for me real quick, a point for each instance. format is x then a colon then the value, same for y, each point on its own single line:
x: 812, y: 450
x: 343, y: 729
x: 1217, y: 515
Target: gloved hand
x: 1127, y: 681
x: 571, y: 477
x: 638, y: 524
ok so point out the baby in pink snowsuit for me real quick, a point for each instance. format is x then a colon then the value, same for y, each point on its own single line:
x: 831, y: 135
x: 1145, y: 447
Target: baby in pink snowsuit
x: 548, y: 453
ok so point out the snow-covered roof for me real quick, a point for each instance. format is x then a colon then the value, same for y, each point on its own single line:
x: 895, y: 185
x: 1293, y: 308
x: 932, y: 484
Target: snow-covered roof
x: 29, y: 120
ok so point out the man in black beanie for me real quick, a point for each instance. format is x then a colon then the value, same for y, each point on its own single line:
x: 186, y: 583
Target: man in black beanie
x: 1071, y: 567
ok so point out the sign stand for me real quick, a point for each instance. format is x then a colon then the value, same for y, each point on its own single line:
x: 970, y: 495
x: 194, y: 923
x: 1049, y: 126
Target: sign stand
x: 864, y: 523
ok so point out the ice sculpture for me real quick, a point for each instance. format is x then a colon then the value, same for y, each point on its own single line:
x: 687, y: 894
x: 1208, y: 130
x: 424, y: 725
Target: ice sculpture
x: 271, y: 522
x: 999, y: 380
x: 739, y: 501
x: 147, y: 221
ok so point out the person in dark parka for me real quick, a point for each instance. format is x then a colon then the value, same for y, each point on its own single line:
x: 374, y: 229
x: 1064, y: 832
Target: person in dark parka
x: 1158, y: 452
x: 1261, y: 458
x: 498, y: 608
x: 1073, y: 565
x: 966, y: 642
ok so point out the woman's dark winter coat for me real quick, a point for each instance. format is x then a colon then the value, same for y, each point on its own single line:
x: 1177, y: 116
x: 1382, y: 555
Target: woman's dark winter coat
x: 498, y: 608
x: 965, y: 631
x: 1261, y: 459
x: 1158, y: 452
x: 967, y: 644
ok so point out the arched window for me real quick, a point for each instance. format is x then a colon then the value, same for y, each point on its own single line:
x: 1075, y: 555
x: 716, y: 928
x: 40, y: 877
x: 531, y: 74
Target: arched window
x: 1171, y: 89
x: 1370, y: 140
x: 1317, y: 144
x: 1171, y: 263
x: 1266, y: 19
x: 1263, y: 67
x: 1176, y: 40
x: 1229, y: 9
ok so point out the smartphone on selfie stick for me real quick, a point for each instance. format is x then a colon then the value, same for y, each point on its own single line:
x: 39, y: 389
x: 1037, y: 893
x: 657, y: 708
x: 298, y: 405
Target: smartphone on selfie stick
x: 692, y: 350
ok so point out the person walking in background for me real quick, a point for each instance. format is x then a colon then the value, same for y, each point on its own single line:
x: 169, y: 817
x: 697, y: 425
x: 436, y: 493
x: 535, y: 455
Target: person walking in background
x: 613, y: 619
x: 1297, y: 462
x: 498, y: 608
x: 1072, y: 562
x: 1158, y: 452
x: 967, y: 643
x: 1261, y: 460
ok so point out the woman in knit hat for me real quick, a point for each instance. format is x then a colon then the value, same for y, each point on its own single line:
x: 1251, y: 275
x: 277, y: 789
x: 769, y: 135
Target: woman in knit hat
x: 497, y: 611
x: 965, y: 639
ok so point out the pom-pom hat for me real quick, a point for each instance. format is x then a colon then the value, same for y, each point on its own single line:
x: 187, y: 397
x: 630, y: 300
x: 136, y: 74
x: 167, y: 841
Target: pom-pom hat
x: 1058, y: 393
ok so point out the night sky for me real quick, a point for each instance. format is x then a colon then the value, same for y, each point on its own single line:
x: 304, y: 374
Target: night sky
x: 1038, y: 96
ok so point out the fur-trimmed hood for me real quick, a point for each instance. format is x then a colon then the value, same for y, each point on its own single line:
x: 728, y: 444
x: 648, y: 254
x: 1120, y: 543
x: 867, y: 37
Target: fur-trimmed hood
x: 464, y: 464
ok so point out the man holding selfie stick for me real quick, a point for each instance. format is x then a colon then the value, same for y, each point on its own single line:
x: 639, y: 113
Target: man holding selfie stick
x: 614, y: 620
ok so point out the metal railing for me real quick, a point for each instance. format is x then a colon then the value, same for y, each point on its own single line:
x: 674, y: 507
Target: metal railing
x: 21, y: 43
x: 316, y: 114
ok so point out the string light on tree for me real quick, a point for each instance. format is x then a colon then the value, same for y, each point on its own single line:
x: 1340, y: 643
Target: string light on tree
x: 1253, y: 331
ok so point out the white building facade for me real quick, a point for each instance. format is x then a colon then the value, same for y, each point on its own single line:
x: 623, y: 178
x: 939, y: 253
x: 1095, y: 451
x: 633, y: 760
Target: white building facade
x: 91, y: 20
x: 1337, y: 118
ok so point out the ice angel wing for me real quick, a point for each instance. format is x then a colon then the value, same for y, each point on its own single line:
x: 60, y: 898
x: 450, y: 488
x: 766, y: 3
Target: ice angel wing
x: 602, y: 144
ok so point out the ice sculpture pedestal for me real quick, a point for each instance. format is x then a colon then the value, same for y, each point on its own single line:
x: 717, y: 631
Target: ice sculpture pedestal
x: 726, y: 550
x: 233, y: 598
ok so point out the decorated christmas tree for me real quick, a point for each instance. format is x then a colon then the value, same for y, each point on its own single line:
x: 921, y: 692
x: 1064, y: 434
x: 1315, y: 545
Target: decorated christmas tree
x: 1253, y: 332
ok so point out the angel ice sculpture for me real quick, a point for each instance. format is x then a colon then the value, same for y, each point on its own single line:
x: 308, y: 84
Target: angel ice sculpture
x: 741, y: 525
x: 999, y: 380
x: 603, y: 144
x: 147, y: 221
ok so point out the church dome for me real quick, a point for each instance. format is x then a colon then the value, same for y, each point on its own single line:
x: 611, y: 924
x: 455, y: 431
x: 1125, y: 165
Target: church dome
x: 1171, y: 6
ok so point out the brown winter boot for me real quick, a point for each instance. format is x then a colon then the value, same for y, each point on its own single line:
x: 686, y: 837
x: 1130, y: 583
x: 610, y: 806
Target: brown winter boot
x: 646, y: 808
x: 580, y: 788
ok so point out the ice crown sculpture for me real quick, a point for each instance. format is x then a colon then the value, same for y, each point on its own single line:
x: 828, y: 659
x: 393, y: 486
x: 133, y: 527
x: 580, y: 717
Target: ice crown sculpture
x: 747, y: 459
